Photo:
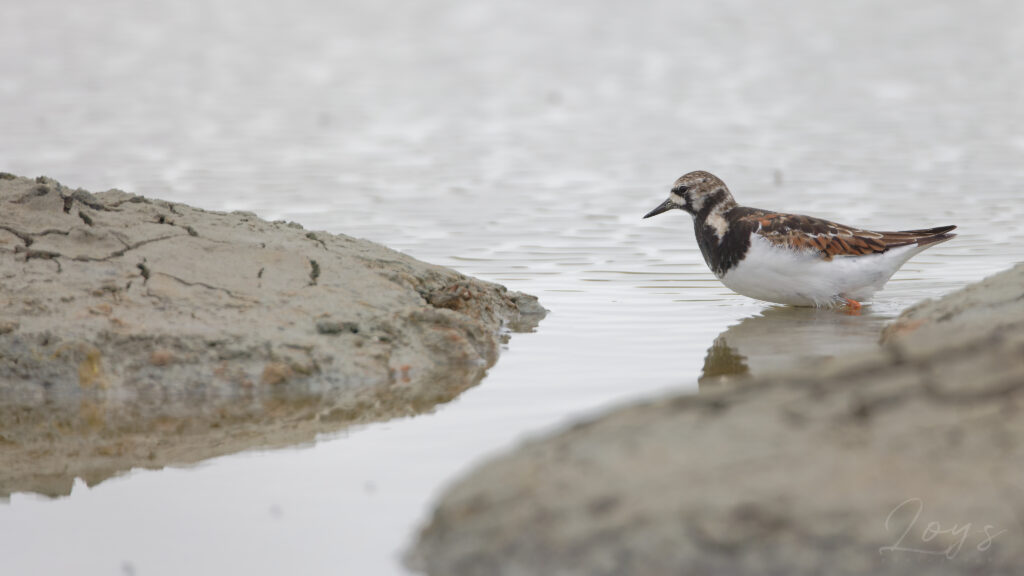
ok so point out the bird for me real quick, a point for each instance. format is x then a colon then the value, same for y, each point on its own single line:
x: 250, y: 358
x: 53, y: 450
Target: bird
x: 790, y: 258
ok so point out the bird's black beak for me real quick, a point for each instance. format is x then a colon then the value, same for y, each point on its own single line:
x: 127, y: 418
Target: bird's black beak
x: 663, y: 207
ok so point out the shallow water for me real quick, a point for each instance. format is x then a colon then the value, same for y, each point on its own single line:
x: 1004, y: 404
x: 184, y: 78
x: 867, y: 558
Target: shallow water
x: 520, y: 144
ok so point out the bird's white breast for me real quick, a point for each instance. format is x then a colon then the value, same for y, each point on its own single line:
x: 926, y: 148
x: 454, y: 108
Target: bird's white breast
x: 802, y: 278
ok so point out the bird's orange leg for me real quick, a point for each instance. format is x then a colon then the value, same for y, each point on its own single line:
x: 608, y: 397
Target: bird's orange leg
x: 853, y: 306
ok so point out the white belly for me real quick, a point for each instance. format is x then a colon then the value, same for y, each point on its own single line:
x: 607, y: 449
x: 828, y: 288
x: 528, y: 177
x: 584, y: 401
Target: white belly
x: 802, y: 278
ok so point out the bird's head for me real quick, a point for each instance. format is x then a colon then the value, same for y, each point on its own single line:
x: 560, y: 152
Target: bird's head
x: 695, y: 192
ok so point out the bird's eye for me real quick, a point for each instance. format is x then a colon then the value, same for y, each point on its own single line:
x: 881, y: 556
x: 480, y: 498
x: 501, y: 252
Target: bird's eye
x: 680, y: 189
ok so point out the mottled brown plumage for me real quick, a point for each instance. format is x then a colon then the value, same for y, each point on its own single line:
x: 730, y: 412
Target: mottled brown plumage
x: 827, y: 238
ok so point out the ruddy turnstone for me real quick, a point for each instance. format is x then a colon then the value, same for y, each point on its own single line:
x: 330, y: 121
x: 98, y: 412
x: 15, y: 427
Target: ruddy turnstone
x: 789, y: 258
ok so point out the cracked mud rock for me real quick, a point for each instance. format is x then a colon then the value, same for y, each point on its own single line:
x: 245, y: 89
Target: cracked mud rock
x: 907, y: 460
x: 140, y: 333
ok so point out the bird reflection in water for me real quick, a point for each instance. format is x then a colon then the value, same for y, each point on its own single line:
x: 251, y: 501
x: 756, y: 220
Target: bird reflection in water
x: 784, y: 338
x: 723, y: 362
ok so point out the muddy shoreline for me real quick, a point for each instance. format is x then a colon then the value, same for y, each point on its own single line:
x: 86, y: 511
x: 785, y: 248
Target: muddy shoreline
x: 894, y: 461
x: 136, y: 332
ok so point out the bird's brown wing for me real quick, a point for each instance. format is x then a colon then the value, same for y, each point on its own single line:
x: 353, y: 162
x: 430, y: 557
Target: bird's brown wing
x: 830, y: 239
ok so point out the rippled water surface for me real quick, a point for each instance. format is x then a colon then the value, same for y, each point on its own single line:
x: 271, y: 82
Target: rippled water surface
x: 520, y: 144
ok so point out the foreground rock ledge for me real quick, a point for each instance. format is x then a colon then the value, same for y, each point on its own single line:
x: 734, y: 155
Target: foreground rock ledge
x: 137, y: 332
x: 905, y: 461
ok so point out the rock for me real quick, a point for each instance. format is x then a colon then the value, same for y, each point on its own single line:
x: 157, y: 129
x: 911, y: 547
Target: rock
x: 138, y: 332
x: 905, y: 460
